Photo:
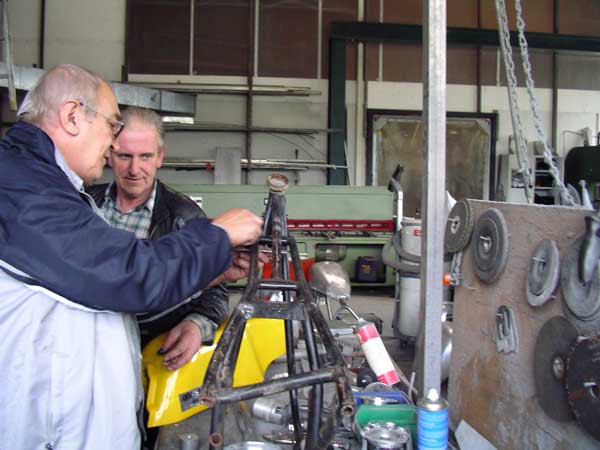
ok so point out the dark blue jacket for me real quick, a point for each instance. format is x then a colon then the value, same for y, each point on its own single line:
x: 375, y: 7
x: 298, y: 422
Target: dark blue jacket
x: 49, y: 231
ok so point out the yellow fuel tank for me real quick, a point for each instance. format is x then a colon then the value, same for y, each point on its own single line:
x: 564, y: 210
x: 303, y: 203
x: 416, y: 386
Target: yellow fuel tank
x: 262, y: 343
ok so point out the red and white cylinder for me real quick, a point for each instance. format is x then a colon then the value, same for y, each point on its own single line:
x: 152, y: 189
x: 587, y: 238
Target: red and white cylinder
x: 377, y: 356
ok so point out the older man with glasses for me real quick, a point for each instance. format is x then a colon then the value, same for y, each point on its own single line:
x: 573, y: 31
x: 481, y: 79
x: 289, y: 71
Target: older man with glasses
x: 69, y: 282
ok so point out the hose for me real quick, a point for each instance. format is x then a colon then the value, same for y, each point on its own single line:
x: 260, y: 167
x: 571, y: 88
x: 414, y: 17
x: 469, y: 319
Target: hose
x: 404, y: 254
x: 401, y: 266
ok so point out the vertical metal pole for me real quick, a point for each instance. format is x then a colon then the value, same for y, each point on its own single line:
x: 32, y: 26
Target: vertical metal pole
x: 359, y: 147
x: 434, y: 186
x: 380, y: 62
x: 252, y: 32
x: 192, y: 18
x: 319, y: 39
x: 555, y: 83
x: 256, y: 24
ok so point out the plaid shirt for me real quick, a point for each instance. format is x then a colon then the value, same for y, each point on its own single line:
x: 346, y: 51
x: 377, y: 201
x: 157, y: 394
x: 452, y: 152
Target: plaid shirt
x: 138, y: 221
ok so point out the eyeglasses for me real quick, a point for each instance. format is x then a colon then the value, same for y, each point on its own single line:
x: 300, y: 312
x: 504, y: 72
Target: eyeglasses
x: 116, y: 125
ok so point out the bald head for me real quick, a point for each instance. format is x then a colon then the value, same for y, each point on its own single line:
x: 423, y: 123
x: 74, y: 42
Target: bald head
x: 61, y: 83
x: 79, y: 112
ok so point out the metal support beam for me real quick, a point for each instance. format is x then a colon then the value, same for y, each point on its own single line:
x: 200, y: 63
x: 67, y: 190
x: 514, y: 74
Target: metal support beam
x: 337, y: 111
x: 171, y: 102
x: 394, y: 32
x: 433, y: 188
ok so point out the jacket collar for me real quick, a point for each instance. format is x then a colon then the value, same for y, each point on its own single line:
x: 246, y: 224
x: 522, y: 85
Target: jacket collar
x: 34, y: 139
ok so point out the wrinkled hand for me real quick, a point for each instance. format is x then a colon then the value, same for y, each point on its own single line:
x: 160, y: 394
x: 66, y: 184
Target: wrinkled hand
x: 181, y: 344
x: 240, y: 267
x: 242, y: 226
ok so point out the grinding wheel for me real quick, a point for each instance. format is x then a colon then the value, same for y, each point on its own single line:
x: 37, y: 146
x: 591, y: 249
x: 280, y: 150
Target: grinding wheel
x: 459, y: 227
x: 490, y: 245
x: 582, y: 300
x: 542, y: 277
x: 552, y: 347
x: 583, y: 384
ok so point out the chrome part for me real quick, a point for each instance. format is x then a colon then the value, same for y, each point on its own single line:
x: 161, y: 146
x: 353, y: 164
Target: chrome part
x: 543, y: 274
x: 506, y: 330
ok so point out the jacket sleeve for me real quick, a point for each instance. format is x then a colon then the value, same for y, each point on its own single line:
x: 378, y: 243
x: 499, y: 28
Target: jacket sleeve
x: 53, y: 236
x: 211, y: 303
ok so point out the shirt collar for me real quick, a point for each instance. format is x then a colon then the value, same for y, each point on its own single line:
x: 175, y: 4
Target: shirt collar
x: 111, y: 195
x: 75, y: 180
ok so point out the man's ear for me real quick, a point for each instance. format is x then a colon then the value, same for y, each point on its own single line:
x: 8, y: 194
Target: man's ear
x: 109, y: 160
x: 161, y: 156
x: 70, y: 117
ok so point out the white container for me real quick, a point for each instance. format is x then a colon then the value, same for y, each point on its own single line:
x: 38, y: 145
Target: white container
x: 410, y: 298
x: 410, y: 235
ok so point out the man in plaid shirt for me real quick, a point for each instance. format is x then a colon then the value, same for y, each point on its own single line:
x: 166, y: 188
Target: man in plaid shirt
x: 138, y: 202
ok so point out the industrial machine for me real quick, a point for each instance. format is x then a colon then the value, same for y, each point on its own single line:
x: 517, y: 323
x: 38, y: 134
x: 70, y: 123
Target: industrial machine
x: 345, y: 224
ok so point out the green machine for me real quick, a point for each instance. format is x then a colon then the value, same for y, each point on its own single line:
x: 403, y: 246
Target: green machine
x: 346, y: 224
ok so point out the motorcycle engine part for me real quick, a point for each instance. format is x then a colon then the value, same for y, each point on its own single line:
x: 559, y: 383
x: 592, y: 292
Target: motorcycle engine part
x: 583, y: 384
x: 582, y: 299
x: 459, y: 227
x: 189, y: 441
x: 552, y: 347
x: 385, y: 435
x: 270, y: 410
x: 365, y: 377
x: 543, y: 274
x: 490, y: 246
x: 507, y: 338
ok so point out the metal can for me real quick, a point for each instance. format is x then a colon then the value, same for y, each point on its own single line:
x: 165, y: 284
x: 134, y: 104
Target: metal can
x: 432, y: 422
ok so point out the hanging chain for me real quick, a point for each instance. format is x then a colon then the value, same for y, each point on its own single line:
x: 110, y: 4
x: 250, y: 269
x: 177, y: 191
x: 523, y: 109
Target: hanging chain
x: 511, y: 84
x: 564, y: 192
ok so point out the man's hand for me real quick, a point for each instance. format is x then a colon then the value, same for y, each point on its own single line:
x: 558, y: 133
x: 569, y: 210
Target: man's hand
x: 181, y: 344
x: 242, y: 226
x: 240, y: 267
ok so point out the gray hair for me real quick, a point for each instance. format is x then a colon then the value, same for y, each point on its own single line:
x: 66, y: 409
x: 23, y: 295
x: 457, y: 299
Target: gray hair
x: 60, y: 83
x: 147, y: 117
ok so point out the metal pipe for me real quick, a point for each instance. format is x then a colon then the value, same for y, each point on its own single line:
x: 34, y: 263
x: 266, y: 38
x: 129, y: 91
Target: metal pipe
x: 555, y: 82
x: 380, y: 62
x: 42, y: 41
x: 270, y: 387
x: 433, y: 186
x: 249, y: 96
x: 192, y: 19
x: 185, y: 163
x: 359, y: 147
x: 256, y: 34
x: 319, y: 39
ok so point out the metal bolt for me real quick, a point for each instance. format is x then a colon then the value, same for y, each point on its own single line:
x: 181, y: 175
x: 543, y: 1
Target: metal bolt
x: 487, y: 243
x: 558, y: 368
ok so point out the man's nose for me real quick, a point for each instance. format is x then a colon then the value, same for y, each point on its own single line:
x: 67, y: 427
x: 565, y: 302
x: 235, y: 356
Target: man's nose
x: 134, y: 166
